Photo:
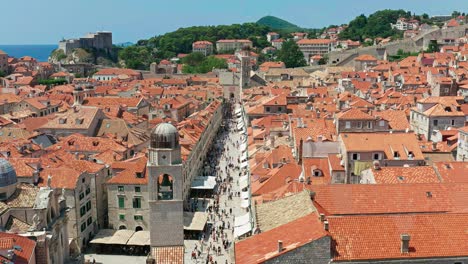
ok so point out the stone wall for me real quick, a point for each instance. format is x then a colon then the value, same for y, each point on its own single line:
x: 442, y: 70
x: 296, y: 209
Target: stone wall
x: 418, y: 43
x: 316, y: 252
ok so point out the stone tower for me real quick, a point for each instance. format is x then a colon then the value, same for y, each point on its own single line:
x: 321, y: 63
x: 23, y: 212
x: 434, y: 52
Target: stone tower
x: 244, y: 57
x: 78, y: 95
x: 165, y: 188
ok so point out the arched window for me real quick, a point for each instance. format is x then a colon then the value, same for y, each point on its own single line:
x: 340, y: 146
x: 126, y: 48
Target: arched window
x: 317, y: 173
x: 138, y: 228
x: 165, y: 187
x: 122, y: 227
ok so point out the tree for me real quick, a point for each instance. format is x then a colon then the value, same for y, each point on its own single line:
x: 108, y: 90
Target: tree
x: 193, y: 59
x: 433, y: 46
x: 2, y: 74
x: 323, y: 60
x: 206, y: 64
x: 455, y: 14
x: 291, y: 55
x: 376, y: 25
x: 136, y: 57
x: 425, y: 16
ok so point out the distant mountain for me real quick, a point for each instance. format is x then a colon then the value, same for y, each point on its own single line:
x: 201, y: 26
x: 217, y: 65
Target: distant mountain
x: 278, y: 24
x: 124, y: 44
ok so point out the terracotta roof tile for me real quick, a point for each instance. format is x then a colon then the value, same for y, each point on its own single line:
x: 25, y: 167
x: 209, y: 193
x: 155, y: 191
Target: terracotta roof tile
x: 23, y: 256
x: 378, y: 237
x: 264, y: 246
x: 403, y: 175
x: 168, y: 255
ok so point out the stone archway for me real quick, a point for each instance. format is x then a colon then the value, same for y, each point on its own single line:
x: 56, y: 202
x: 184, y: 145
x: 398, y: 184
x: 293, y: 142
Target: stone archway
x: 165, y: 187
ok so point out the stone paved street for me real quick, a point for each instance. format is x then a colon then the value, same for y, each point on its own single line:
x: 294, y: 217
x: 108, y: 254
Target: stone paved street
x: 229, y: 205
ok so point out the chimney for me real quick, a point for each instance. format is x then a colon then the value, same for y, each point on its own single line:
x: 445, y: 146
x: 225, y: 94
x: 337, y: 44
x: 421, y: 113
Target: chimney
x: 301, y: 145
x: 326, y: 225
x: 376, y: 165
x: 322, y: 217
x: 405, y: 239
x: 434, y: 146
x: 280, y: 246
x: 312, y: 195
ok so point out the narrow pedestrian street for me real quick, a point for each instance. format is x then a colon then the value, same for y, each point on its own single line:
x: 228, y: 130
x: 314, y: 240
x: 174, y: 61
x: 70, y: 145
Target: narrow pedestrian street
x: 228, y: 209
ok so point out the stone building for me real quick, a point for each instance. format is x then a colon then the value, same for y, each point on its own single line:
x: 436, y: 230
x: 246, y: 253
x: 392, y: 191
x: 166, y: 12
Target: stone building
x: 99, y: 40
x: 3, y: 62
x: 361, y: 151
x: 83, y: 120
x: 311, y: 47
x: 232, y: 44
x: 165, y: 190
x: 355, y: 120
x: 78, y: 189
x: 128, y: 195
x: 462, y: 149
x: 163, y: 67
x: 204, y: 47
x: 35, y: 213
x: 437, y: 113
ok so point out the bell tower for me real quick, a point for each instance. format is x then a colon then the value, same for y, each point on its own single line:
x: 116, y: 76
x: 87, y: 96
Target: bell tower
x: 165, y: 188
x: 78, y: 95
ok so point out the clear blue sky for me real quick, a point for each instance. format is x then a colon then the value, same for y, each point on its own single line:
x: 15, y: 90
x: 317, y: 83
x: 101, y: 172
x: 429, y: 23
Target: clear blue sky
x: 47, y: 21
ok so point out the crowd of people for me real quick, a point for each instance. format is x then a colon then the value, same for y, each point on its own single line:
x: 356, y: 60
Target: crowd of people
x: 223, y: 161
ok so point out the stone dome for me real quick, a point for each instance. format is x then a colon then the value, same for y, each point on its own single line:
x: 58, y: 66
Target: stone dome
x: 165, y: 135
x: 7, y: 174
x: 8, y: 180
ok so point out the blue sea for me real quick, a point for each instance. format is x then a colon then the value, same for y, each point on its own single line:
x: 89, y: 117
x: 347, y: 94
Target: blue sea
x: 39, y: 52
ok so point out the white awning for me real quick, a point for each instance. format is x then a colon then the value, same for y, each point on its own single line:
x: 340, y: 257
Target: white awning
x: 243, y: 147
x: 195, y: 221
x: 238, y: 110
x: 245, y: 195
x: 242, y: 230
x: 244, y: 156
x: 245, y: 203
x: 244, y: 183
x: 244, y: 165
x: 140, y: 238
x: 121, y: 237
x: 204, y: 182
x: 103, y: 236
x: 240, y: 126
x: 242, y: 220
x: 244, y: 178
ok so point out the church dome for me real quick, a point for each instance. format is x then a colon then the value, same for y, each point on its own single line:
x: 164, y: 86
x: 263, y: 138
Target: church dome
x: 7, y: 174
x: 165, y: 135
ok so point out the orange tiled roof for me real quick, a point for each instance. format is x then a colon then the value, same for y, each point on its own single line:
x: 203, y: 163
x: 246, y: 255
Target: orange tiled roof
x: 130, y: 170
x: 169, y: 255
x: 453, y: 172
x: 313, y: 41
x: 355, y: 199
x: 23, y: 256
x: 264, y: 246
x: 399, y: 175
x: 389, y: 143
x: 365, y: 57
x: 61, y: 177
x: 354, y: 114
x: 378, y: 237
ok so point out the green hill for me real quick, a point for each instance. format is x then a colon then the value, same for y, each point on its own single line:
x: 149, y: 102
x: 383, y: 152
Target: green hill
x: 278, y: 24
